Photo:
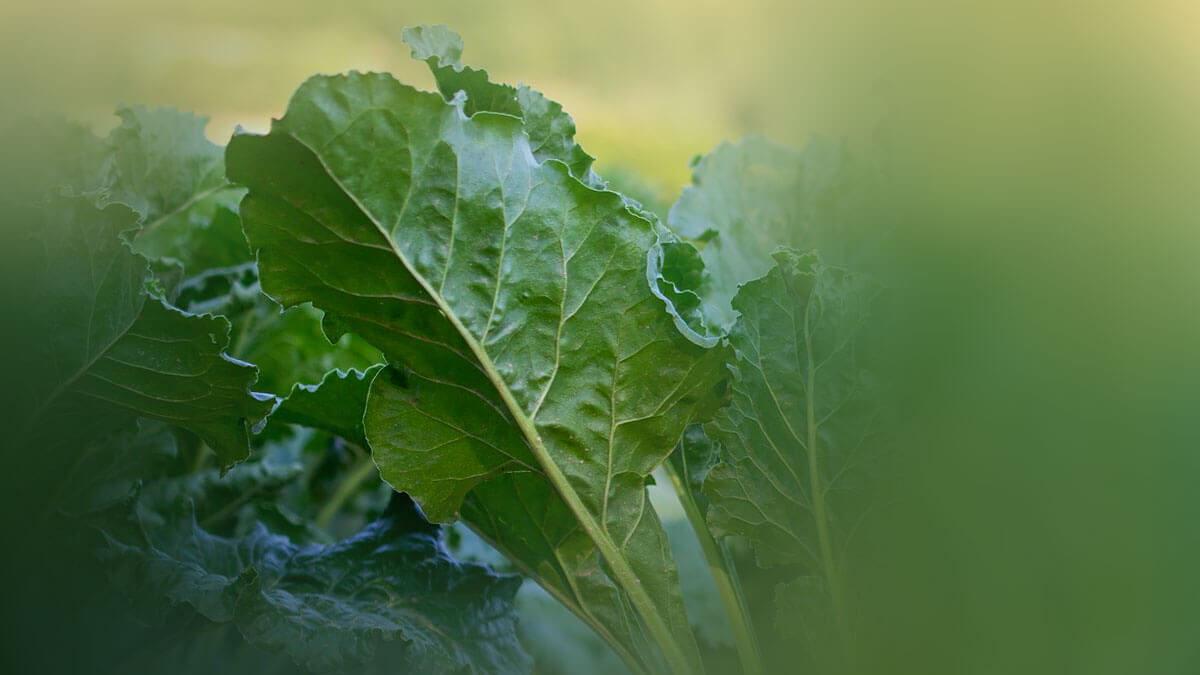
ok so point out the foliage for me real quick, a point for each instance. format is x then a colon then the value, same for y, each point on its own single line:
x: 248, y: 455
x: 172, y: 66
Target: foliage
x: 442, y: 298
x: 133, y: 266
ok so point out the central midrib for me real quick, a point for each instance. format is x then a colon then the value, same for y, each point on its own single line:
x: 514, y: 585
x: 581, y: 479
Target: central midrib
x: 626, y: 577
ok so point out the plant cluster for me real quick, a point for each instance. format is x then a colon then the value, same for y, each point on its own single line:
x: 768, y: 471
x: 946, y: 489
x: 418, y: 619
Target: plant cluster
x: 254, y: 384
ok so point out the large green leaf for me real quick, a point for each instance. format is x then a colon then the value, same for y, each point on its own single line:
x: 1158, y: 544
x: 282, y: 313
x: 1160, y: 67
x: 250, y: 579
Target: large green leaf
x: 518, y: 514
x: 93, y: 339
x: 551, y: 133
x: 514, y: 296
x: 797, y: 440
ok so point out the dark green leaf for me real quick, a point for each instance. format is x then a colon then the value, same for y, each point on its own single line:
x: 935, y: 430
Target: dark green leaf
x: 329, y: 607
x: 92, y: 338
x: 110, y: 469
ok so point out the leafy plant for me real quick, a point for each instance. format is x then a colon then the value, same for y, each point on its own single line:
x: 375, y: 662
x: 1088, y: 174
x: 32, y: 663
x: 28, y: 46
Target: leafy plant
x: 127, y: 395
x: 441, y: 292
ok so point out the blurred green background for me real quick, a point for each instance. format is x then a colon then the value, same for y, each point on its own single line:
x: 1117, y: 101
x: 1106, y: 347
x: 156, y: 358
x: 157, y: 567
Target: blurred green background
x: 650, y: 84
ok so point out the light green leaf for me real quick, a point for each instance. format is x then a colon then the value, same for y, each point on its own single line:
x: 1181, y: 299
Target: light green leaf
x: 749, y: 198
x: 515, y: 297
x: 157, y: 161
x: 550, y: 129
x: 797, y: 440
x: 161, y: 164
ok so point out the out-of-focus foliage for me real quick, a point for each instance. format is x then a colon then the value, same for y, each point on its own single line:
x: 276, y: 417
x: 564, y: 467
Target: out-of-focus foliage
x: 126, y: 399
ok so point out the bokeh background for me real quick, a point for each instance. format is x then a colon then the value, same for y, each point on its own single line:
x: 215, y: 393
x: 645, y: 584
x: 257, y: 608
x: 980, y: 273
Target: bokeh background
x: 650, y: 83
x: 1045, y: 240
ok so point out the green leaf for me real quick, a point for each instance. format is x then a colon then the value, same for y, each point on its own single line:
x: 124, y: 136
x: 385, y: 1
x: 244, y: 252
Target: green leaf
x: 522, y: 517
x: 515, y: 297
x: 289, y: 347
x: 550, y: 129
x: 335, y: 405
x: 805, y: 622
x: 328, y: 607
x: 111, y: 468
x: 157, y: 161
x: 231, y: 503
x: 551, y: 133
x: 749, y: 198
x: 160, y: 160
x: 93, y: 340
x: 797, y: 440
x: 161, y: 164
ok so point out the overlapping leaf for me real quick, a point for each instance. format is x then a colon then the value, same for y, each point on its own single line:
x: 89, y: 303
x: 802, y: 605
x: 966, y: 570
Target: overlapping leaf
x: 749, y: 198
x: 328, y: 607
x: 514, y: 296
x: 550, y: 129
x: 797, y: 440
x: 160, y: 163
x: 92, y: 337
x: 334, y: 405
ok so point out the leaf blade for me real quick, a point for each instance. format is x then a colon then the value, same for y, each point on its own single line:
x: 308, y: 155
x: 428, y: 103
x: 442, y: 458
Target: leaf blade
x: 402, y: 183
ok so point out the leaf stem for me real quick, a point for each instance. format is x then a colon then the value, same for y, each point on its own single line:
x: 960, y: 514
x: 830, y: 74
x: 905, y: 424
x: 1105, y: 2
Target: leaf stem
x: 724, y: 576
x: 200, y: 460
x: 632, y: 662
x: 622, y: 572
x: 345, y: 490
